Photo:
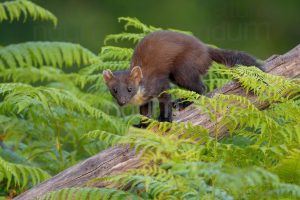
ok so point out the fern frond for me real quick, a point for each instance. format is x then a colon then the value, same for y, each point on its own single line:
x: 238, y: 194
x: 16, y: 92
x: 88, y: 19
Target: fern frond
x: 116, y: 53
x: 33, y: 75
x: 215, y: 78
x: 100, y: 66
x: 21, y: 96
x: 239, y: 112
x: 184, y: 131
x: 288, y: 169
x: 134, y: 37
x: 157, y: 187
x: 13, y: 10
x: 21, y: 174
x: 57, y: 54
x: 88, y: 194
x: 105, y: 136
x: 135, y: 23
x: 266, y: 86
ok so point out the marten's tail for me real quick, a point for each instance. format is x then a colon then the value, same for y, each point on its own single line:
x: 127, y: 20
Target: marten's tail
x: 231, y: 58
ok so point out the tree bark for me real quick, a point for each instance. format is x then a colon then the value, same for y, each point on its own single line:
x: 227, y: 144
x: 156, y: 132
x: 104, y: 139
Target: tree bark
x: 118, y: 159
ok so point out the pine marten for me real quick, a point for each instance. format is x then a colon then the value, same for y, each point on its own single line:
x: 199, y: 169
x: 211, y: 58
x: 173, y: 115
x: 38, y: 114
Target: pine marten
x: 165, y: 56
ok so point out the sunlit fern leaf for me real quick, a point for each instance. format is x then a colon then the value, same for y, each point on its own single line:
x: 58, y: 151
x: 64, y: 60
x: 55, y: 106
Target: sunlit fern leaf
x: 21, y: 174
x: 89, y: 194
x: 157, y: 187
x: 100, y: 100
x: 134, y: 37
x: 141, y: 139
x: 13, y: 10
x: 20, y: 96
x: 109, y: 138
x: 57, y: 54
x: 169, y: 184
x: 180, y: 178
x: 33, y: 75
x: 135, y: 23
x: 288, y: 110
x: 184, y: 131
x: 115, y: 65
x: 240, y: 179
x: 215, y: 78
x: 238, y: 112
x: 289, y: 168
x: 115, y: 53
x: 267, y: 87
x: 100, y: 66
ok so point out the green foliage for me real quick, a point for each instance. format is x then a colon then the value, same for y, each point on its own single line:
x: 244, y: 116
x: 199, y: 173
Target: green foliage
x: 55, y: 111
x: 21, y: 96
x: 214, y: 78
x: 139, y: 26
x: 178, y: 160
x: 89, y: 193
x: 265, y: 85
x: 13, y: 10
x: 56, y: 54
x: 47, y: 103
x: 260, y: 159
x: 21, y: 174
x: 186, y: 163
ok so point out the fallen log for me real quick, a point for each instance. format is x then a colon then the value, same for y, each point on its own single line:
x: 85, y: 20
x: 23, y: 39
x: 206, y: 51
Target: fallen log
x: 121, y: 158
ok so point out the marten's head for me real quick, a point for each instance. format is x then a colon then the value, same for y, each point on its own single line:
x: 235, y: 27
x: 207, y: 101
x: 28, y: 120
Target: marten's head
x: 125, y: 85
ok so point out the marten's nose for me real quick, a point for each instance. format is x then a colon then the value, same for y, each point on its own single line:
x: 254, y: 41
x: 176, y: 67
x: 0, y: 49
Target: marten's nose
x: 122, y: 100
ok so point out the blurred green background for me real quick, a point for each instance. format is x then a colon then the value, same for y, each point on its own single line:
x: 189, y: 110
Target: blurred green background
x: 259, y: 27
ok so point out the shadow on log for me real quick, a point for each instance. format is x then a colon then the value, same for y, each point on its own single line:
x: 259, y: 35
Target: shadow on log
x: 119, y: 159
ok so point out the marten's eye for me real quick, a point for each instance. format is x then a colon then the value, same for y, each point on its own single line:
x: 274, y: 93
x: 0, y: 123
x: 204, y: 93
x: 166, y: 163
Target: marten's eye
x: 115, y: 90
x: 129, y: 89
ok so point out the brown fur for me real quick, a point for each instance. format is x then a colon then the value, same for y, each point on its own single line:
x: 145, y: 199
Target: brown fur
x: 166, y: 56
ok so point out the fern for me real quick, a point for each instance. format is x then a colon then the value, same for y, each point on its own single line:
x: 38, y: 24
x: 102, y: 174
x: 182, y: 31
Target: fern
x: 89, y: 194
x: 264, y: 85
x: 57, y: 54
x: 288, y: 169
x: 48, y: 74
x: 13, y: 10
x: 134, y: 37
x: 54, y: 118
x: 215, y: 78
x: 20, y: 96
x: 109, y: 138
x: 116, y: 53
x: 137, y: 24
x: 178, y: 155
x: 270, y: 139
x: 21, y: 174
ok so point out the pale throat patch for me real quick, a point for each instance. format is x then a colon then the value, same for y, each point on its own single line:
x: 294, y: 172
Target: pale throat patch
x: 138, y: 98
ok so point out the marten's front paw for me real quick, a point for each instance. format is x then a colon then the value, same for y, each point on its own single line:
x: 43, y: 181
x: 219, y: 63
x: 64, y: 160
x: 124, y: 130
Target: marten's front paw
x: 164, y: 119
x: 180, y: 104
x: 141, y: 125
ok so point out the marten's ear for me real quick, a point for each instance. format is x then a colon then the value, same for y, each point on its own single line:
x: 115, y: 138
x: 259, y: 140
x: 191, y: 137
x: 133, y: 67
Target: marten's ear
x: 107, y: 75
x: 136, y: 74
